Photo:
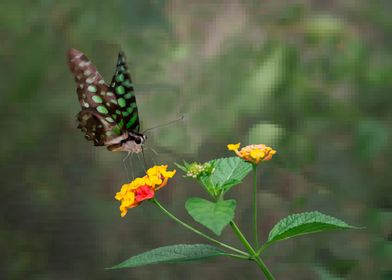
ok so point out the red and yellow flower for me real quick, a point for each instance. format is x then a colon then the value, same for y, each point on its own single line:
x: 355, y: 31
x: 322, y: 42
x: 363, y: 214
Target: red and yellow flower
x: 253, y: 153
x: 140, y: 189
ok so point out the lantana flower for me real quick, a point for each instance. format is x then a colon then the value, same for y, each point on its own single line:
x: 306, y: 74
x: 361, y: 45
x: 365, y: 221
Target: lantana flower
x: 253, y: 153
x: 140, y: 189
x: 195, y: 169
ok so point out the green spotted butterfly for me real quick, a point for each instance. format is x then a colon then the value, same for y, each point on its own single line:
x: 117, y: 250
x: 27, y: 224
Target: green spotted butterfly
x: 109, y: 115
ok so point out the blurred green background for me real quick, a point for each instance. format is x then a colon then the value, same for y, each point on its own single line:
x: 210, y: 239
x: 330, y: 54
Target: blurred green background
x: 310, y: 78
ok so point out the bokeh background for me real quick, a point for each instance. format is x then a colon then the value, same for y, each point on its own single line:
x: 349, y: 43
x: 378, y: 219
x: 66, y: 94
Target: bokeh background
x: 310, y: 78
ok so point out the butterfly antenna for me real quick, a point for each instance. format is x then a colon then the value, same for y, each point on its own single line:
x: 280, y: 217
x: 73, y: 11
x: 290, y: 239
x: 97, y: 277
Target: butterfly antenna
x: 165, y: 124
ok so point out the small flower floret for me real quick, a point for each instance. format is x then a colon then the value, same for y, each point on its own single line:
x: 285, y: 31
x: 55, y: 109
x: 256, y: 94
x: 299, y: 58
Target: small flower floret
x: 254, y: 154
x: 140, y: 189
x: 195, y: 169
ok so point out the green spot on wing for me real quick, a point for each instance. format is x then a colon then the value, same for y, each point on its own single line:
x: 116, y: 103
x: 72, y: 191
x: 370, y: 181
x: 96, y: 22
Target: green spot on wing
x: 120, y: 90
x: 132, y: 121
x: 109, y: 119
x: 127, y: 84
x: 131, y: 107
x: 97, y: 99
x: 120, y: 78
x: 122, y: 102
x: 128, y: 95
x: 102, y: 109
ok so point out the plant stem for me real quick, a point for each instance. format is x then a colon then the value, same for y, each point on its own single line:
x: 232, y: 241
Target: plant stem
x: 242, y: 257
x: 255, y: 207
x: 264, y: 268
x: 262, y: 248
x: 160, y: 206
x: 242, y: 238
x: 251, y: 251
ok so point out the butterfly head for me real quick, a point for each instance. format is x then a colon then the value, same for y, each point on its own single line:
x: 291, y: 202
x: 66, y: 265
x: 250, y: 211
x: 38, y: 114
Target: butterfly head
x: 132, y: 143
x: 136, y: 137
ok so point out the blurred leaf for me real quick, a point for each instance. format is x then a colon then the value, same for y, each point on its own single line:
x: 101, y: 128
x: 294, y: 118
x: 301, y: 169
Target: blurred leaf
x: 174, y: 138
x: 228, y: 172
x: 263, y: 81
x: 214, y: 215
x: 323, y: 274
x: 172, y: 254
x: 265, y: 133
x: 371, y: 137
x: 324, y: 25
x: 304, y: 223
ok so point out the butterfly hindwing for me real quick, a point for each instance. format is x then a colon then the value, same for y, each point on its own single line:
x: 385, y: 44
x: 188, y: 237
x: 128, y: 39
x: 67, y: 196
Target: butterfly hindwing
x: 122, y: 87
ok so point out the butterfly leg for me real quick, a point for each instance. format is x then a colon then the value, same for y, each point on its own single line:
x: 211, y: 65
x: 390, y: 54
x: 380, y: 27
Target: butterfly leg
x: 152, y: 156
x: 154, y: 151
x: 144, y: 159
x: 125, y: 165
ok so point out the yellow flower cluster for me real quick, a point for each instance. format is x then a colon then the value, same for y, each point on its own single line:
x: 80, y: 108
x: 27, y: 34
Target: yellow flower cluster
x: 140, y: 189
x: 253, y: 153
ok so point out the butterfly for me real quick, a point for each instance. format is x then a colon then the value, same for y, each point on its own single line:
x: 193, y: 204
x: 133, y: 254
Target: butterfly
x: 109, y: 115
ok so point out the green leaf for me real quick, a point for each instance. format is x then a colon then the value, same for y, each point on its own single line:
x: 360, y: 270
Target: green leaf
x: 184, y: 167
x: 267, y: 133
x: 214, y: 215
x: 172, y: 254
x: 304, y: 223
x: 229, y: 172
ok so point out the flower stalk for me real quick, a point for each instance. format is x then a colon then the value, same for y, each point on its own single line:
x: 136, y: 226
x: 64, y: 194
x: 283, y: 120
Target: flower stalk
x: 255, y: 224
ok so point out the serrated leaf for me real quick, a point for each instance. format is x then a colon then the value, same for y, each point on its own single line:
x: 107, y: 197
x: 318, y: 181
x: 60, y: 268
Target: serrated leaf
x: 229, y: 172
x: 183, y: 168
x: 213, y: 215
x: 172, y: 254
x: 305, y: 223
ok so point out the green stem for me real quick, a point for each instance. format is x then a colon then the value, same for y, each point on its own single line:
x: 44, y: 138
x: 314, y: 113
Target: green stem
x: 247, y: 257
x: 160, y: 206
x: 255, y: 233
x: 242, y: 238
x: 264, y: 268
x: 251, y: 251
x: 262, y: 248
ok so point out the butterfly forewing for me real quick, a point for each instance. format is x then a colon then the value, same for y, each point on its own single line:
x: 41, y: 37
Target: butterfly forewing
x: 100, y: 118
x: 122, y: 87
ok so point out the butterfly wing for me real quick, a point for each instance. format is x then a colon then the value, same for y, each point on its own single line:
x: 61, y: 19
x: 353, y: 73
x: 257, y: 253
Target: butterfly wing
x: 122, y: 87
x: 100, y: 118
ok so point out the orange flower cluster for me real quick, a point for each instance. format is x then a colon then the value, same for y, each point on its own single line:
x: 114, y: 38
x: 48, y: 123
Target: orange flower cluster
x: 140, y: 189
x: 253, y: 153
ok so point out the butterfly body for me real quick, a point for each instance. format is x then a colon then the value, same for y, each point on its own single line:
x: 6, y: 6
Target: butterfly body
x: 109, y: 115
